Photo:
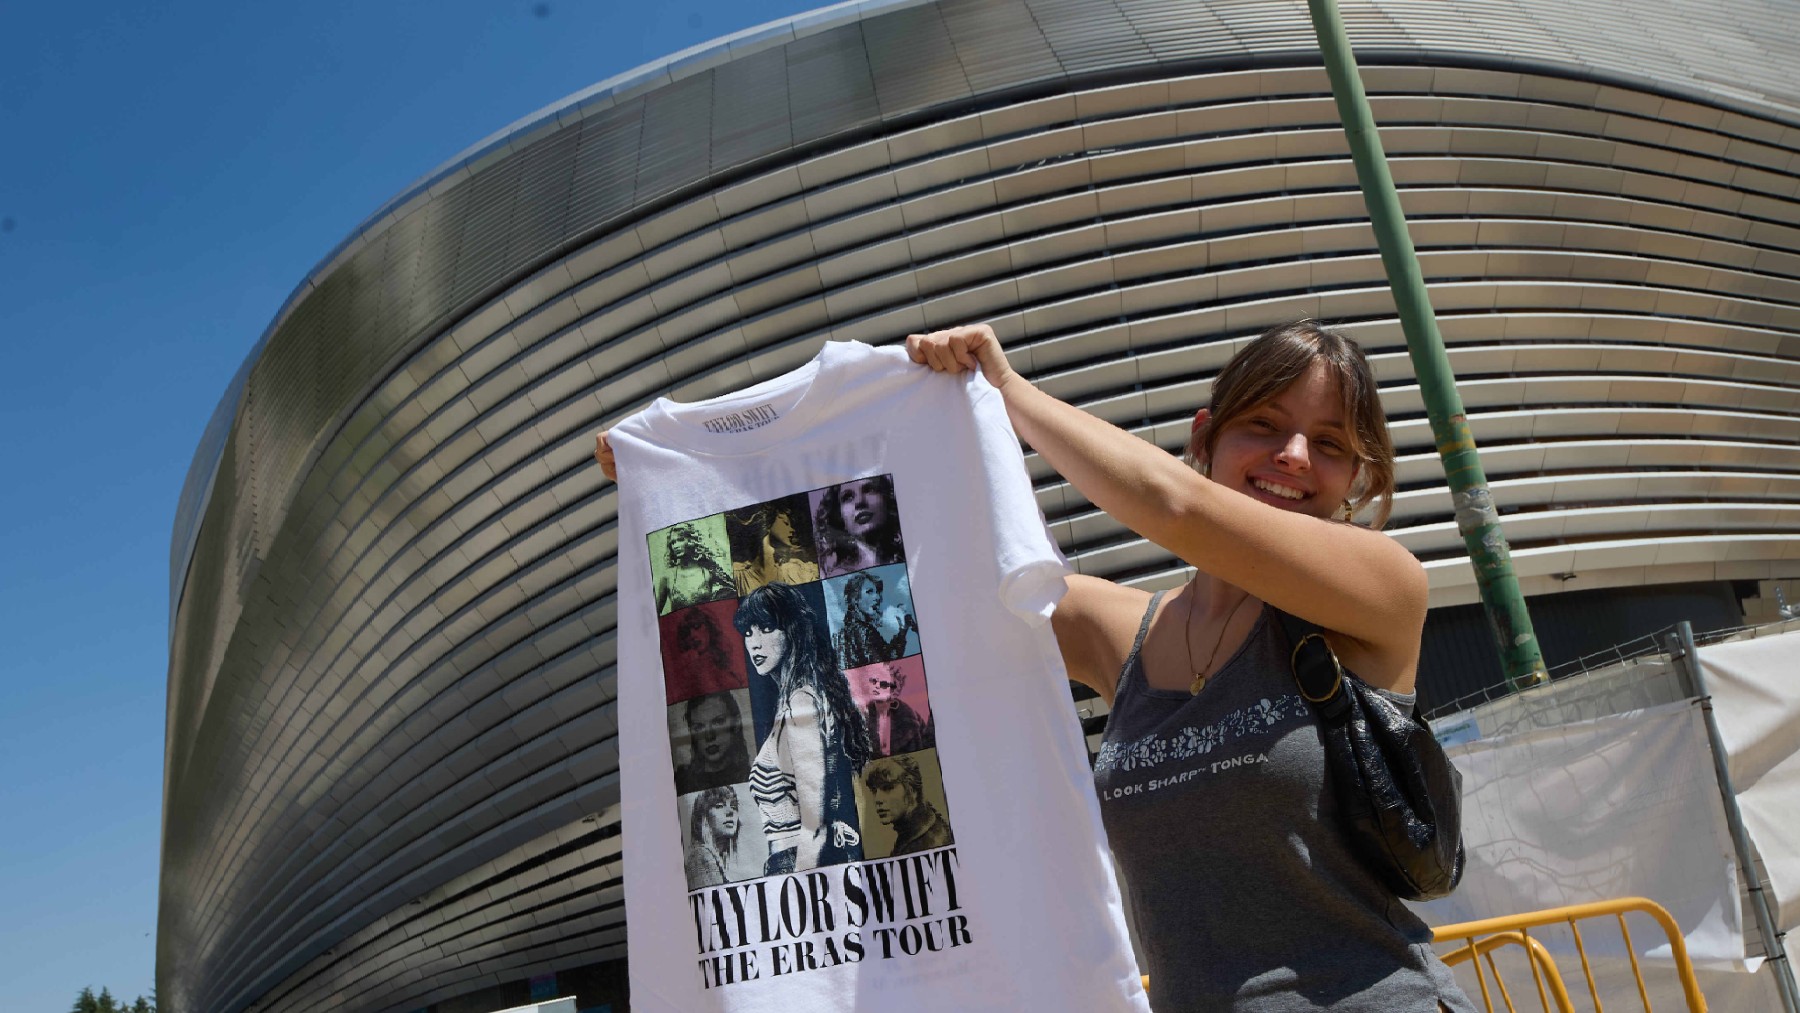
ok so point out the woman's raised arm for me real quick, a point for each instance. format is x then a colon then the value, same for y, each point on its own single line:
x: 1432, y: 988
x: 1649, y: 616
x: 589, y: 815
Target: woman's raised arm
x: 1348, y: 579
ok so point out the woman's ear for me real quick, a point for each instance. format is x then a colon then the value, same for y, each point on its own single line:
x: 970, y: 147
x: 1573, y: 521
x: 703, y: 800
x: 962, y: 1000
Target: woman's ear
x: 1196, y: 446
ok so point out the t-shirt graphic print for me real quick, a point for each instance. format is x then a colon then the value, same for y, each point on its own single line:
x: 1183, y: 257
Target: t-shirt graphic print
x: 799, y: 718
x: 850, y: 771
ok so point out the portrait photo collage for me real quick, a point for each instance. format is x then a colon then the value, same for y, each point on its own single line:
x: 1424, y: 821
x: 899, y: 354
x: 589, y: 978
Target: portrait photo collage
x: 799, y: 721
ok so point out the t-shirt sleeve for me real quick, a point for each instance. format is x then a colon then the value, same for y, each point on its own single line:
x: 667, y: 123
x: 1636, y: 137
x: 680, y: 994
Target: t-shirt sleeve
x: 1032, y: 567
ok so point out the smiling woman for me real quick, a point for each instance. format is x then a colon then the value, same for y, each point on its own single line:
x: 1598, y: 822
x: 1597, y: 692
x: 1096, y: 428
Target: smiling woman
x: 1305, y: 391
x: 1223, y: 830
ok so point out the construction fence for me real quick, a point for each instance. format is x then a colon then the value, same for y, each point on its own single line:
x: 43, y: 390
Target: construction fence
x: 1603, y: 785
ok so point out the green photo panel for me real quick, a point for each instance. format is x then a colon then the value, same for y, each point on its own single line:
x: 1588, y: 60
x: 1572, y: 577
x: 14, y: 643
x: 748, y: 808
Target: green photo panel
x: 690, y: 564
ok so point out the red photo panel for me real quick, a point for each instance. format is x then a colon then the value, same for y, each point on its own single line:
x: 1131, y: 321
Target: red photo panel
x: 702, y: 652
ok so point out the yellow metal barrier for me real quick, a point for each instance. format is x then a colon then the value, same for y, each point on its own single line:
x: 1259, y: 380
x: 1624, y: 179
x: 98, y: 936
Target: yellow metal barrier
x: 1515, y: 930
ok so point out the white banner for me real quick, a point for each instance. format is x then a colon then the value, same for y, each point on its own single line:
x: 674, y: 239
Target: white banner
x: 1755, y: 685
x: 1620, y: 806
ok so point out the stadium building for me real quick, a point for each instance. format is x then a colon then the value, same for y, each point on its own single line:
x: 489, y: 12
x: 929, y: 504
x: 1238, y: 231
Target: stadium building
x: 390, y: 765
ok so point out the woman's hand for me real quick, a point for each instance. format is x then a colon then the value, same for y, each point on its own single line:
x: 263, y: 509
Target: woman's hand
x: 603, y: 455
x: 963, y: 349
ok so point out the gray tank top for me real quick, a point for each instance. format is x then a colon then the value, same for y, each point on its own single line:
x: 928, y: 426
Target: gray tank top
x: 1245, y: 896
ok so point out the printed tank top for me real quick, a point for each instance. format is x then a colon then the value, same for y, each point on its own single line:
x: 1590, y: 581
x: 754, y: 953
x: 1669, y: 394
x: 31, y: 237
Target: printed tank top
x: 1245, y: 895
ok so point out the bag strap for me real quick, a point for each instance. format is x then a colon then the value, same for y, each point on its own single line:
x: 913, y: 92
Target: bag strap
x: 1316, y: 668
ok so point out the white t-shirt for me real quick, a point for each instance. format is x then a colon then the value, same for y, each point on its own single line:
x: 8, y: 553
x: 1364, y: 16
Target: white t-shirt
x: 852, y: 778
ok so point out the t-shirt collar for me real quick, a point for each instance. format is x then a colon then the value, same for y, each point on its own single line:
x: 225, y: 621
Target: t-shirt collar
x: 684, y: 424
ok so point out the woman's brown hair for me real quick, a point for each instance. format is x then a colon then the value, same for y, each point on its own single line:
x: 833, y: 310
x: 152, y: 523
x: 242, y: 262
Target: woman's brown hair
x: 1279, y: 356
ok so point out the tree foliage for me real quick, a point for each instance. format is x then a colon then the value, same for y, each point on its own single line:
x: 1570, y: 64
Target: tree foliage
x: 88, y: 1002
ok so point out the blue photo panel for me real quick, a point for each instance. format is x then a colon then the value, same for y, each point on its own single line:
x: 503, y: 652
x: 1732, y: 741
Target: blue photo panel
x: 872, y: 617
x: 783, y: 633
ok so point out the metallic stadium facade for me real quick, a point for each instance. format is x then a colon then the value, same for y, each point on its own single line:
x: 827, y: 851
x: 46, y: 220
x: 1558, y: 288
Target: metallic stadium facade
x: 390, y: 761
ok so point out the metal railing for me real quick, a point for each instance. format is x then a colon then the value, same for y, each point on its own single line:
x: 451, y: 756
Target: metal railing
x: 1481, y: 938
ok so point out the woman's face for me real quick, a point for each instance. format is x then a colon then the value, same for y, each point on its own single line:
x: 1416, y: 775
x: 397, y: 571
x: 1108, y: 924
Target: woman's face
x: 863, y: 507
x: 781, y: 530
x: 722, y: 818
x: 767, y: 648
x: 694, y: 645
x: 712, y: 729
x: 1292, y: 452
x: 685, y: 545
x: 892, y: 802
x: 867, y: 599
x: 884, y: 685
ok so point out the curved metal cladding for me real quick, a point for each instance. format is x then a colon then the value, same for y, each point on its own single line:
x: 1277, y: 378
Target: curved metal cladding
x: 390, y: 752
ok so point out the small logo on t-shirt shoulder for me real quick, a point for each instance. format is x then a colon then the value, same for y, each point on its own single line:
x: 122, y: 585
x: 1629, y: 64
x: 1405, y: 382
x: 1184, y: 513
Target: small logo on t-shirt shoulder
x: 742, y: 421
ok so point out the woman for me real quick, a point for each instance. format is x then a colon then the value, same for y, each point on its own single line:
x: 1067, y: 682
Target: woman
x: 716, y: 752
x: 775, y: 550
x: 861, y: 640
x: 1246, y: 895
x: 698, y: 664
x: 858, y: 526
x: 712, y: 856
x: 897, y: 794
x: 803, y: 777
x: 690, y: 575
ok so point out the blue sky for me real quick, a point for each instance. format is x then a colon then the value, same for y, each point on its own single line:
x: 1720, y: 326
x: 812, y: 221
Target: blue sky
x: 168, y: 173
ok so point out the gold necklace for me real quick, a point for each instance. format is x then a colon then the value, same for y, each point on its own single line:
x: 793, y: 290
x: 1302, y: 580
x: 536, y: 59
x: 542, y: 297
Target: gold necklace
x: 1200, y: 674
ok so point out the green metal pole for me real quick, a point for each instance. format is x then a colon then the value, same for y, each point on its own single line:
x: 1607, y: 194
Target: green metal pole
x: 1476, y: 518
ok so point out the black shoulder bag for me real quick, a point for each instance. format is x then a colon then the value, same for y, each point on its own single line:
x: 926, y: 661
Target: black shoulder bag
x: 1399, y: 796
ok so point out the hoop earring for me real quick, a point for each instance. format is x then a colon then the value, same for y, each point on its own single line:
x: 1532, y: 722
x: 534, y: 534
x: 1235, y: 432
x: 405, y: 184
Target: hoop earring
x: 1347, y: 513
